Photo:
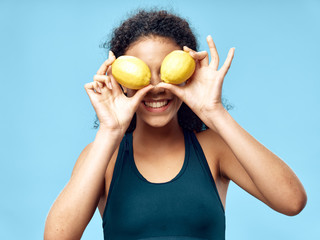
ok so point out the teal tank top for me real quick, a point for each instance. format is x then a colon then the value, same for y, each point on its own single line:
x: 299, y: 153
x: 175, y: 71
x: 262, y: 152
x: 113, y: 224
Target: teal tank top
x: 186, y: 208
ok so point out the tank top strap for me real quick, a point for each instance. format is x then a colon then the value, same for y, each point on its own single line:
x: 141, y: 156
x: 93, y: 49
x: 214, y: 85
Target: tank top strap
x: 204, y: 164
x: 123, y: 152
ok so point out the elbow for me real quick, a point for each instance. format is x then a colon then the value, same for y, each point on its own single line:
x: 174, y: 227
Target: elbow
x: 295, y: 206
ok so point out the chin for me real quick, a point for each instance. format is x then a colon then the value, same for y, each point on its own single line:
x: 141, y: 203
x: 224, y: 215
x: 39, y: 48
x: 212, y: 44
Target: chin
x: 159, y: 122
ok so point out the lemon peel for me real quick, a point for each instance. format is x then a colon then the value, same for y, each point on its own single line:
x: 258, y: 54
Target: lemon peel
x: 131, y: 72
x: 177, y: 67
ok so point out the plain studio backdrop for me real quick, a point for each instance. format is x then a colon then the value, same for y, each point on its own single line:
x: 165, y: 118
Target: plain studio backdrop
x: 50, y: 49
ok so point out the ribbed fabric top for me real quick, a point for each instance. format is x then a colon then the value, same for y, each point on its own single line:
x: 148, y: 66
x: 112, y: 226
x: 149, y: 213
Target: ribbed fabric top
x: 186, y: 207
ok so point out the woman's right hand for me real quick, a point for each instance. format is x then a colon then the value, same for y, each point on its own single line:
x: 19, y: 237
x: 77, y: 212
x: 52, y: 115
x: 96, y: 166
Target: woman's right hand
x: 114, y: 110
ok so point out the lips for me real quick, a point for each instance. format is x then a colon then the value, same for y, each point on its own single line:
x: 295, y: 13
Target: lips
x: 157, y: 106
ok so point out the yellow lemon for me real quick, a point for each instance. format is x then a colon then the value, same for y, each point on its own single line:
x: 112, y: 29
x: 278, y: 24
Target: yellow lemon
x: 177, y: 67
x: 131, y: 72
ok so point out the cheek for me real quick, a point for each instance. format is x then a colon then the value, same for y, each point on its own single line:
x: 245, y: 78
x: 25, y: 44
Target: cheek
x: 178, y: 104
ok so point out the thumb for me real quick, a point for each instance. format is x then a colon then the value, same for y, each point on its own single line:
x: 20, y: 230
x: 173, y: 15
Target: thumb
x: 137, y: 98
x: 176, y: 90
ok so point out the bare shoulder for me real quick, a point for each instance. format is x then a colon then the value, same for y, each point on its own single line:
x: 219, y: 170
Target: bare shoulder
x: 214, y: 149
x: 217, y: 150
x: 81, y: 157
x: 212, y: 144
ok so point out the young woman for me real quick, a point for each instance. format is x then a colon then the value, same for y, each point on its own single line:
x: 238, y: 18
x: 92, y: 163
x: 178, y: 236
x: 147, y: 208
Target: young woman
x: 163, y: 156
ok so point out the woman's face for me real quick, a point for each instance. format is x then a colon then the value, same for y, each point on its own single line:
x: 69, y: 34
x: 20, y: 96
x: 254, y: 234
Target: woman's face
x: 159, y: 107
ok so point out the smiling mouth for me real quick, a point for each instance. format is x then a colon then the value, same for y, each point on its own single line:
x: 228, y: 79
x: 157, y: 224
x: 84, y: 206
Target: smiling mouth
x: 156, y: 104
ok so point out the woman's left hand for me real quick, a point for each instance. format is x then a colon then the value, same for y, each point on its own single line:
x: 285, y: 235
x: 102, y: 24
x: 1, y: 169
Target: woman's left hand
x: 202, y: 92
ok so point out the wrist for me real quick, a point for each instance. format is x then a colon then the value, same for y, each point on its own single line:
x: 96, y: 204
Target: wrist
x: 115, y: 134
x: 217, y: 109
x: 214, y: 115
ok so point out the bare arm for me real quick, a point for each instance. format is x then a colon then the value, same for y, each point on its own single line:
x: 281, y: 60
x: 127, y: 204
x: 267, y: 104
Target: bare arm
x: 76, y: 204
x: 256, y: 169
x: 74, y: 207
x: 245, y: 161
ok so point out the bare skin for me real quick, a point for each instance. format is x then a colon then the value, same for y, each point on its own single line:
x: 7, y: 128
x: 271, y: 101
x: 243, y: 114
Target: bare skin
x: 231, y: 152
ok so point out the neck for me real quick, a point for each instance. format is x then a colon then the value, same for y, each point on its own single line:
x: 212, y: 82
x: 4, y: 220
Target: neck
x: 155, y: 136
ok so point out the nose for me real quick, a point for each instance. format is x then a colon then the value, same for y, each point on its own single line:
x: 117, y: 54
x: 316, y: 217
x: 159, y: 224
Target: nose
x: 156, y: 91
x: 155, y: 78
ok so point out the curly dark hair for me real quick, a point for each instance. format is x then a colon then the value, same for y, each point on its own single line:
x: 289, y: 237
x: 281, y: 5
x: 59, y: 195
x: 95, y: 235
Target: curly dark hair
x: 145, y: 23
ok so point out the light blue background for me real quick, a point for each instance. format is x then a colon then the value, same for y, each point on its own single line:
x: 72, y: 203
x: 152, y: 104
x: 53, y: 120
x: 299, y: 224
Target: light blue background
x: 50, y: 49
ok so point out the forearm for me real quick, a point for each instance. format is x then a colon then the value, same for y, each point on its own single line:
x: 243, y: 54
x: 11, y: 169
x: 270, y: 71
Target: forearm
x: 272, y: 177
x: 76, y: 204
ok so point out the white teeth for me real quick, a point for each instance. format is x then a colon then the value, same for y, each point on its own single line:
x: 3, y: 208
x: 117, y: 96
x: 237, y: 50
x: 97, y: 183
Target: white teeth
x: 156, y: 104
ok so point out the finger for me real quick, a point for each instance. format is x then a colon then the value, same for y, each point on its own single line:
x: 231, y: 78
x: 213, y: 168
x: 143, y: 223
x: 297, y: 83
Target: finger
x: 100, y: 78
x: 213, y: 52
x: 90, y: 87
x: 176, y: 90
x: 109, y: 71
x: 138, y: 96
x: 111, y: 54
x: 187, y: 49
x: 103, y: 79
x: 225, y: 67
x: 97, y: 87
x: 114, y: 85
x: 104, y: 67
x: 202, y: 57
x: 101, y: 86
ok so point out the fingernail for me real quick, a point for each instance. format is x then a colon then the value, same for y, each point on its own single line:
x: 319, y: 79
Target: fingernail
x: 109, y: 85
x: 109, y: 54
